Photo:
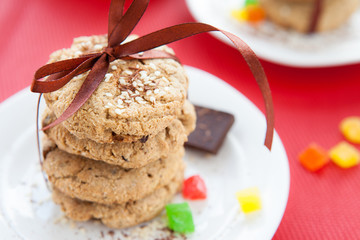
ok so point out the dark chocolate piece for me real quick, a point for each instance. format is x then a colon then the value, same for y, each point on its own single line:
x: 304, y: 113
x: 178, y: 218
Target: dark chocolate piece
x: 211, y: 129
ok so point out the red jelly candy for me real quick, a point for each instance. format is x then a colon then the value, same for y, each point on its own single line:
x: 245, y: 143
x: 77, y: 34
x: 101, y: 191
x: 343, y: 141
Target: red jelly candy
x: 194, y: 188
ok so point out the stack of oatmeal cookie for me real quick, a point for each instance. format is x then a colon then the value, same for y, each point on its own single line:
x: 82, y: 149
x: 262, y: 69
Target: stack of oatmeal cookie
x: 119, y: 158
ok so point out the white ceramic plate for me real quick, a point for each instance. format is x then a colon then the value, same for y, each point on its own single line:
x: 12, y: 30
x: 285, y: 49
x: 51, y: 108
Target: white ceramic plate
x: 338, y: 47
x: 27, y: 212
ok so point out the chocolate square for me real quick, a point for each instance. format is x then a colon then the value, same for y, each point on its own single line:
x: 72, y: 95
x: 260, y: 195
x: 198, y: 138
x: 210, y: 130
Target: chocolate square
x: 211, y: 129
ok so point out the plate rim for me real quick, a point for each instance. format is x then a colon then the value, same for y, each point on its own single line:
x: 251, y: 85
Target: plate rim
x: 25, y: 92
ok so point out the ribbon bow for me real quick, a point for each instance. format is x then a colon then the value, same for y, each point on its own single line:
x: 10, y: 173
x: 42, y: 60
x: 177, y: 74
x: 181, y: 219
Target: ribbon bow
x: 119, y: 28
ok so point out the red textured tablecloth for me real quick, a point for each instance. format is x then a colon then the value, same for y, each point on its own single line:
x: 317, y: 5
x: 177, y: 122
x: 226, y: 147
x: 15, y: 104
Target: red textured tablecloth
x: 309, y: 103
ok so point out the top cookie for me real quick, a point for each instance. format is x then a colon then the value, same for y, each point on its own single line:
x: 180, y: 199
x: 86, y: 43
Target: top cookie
x: 136, y: 98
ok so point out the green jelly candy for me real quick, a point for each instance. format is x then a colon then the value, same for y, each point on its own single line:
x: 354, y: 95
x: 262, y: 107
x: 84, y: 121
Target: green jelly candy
x: 180, y: 217
x: 250, y: 2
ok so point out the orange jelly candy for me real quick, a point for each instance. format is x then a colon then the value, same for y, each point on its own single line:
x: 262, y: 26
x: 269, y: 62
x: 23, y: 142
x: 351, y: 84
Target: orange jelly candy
x: 255, y: 13
x: 314, y: 157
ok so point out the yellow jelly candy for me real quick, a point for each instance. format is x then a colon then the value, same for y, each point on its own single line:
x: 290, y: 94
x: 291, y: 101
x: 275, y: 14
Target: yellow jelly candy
x: 350, y: 128
x: 345, y: 155
x: 249, y: 199
x: 240, y: 15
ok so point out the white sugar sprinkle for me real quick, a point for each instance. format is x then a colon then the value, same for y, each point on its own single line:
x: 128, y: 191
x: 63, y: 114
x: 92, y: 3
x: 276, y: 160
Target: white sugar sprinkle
x: 166, y: 88
x: 157, y: 73
x: 119, y: 101
x: 128, y: 72
x: 98, y: 47
x: 143, y: 74
x: 140, y: 89
x: 156, y: 91
x: 113, y: 67
x: 119, y: 111
x: 134, y: 84
x: 108, y: 94
x: 152, y: 78
x: 165, y: 79
x: 139, y: 99
x: 122, y: 81
x: 152, y: 99
x: 152, y: 65
x: 107, y: 77
x: 109, y: 105
x: 148, y: 92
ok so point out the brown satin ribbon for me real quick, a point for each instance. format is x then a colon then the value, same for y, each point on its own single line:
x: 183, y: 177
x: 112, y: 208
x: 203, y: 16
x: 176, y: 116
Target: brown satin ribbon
x: 314, y: 21
x: 119, y: 28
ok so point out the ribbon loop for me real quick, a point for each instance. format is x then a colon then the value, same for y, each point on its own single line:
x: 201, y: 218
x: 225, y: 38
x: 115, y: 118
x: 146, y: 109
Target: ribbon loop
x: 58, y: 78
x: 128, y: 22
x: 90, y: 84
x: 115, y: 15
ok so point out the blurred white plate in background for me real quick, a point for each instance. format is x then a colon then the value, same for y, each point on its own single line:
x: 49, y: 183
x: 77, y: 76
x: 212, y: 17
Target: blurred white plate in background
x: 275, y: 44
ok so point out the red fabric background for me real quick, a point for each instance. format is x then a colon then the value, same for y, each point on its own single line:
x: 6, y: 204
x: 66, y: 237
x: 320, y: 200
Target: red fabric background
x: 309, y: 103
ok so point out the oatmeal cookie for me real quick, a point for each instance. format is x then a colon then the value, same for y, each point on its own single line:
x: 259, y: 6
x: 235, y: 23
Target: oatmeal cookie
x: 120, y: 215
x: 126, y: 154
x: 136, y: 98
x: 96, y: 181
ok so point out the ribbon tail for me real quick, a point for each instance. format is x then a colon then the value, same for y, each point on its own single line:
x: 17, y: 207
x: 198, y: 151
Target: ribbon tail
x: 177, y: 32
x: 57, y: 78
x: 261, y: 79
x: 127, y: 23
x: 90, y: 84
x: 37, y: 129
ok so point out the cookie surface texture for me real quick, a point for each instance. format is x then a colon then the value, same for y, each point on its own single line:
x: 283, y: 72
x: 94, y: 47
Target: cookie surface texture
x: 100, y: 182
x: 136, y: 98
x: 126, y: 154
x: 120, y: 215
